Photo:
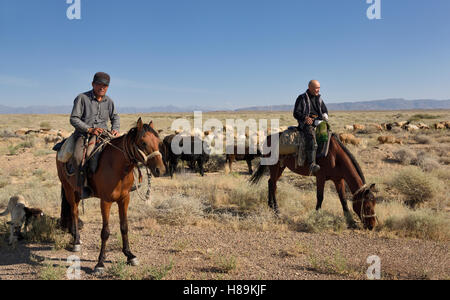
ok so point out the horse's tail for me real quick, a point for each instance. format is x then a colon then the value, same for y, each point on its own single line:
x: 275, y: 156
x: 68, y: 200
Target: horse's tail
x: 352, y: 158
x: 256, y: 177
x: 66, y: 213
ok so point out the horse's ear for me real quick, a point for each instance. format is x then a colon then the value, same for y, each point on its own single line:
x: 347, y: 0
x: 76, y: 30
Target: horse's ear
x: 140, y: 125
x: 151, y: 124
x: 373, y: 188
x: 366, y: 192
x: 160, y: 131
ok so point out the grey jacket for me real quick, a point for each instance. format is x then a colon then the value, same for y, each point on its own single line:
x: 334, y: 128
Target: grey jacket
x: 88, y: 113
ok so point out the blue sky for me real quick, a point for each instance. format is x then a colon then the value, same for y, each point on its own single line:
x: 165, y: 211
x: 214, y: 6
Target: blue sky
x: 223, y: 53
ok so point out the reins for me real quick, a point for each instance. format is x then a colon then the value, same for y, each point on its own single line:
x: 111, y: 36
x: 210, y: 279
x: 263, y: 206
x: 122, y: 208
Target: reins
x: 130, y: 156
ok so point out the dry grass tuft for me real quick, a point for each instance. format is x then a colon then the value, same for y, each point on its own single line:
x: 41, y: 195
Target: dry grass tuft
x: 417, y: 186
x: 424, y: 139
x: 46, y: 230
x: 422, y: 224
x: 319, y: 221
x: 405, y: 156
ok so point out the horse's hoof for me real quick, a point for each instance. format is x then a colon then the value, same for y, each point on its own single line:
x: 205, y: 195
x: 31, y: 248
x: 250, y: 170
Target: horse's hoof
x: 352, y: 225
x: 133, y: 262
x: 76, y: 248
x: 99, y: 270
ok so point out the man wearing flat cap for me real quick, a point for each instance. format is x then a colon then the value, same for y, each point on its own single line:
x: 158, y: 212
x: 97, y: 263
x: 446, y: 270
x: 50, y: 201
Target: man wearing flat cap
x: 90, y: 115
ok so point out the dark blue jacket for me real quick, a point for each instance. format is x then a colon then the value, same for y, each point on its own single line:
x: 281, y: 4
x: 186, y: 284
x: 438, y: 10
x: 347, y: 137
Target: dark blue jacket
x: 303, y: 107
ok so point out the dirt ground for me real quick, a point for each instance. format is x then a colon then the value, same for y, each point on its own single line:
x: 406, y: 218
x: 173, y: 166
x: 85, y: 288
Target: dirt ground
x: 196, y: 252
x: 218, y: 252
x: 209, y: 250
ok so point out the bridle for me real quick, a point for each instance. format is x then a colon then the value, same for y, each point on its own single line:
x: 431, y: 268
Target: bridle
x: 362, y: 214
x: 142, y: 156
x: 130, y: 154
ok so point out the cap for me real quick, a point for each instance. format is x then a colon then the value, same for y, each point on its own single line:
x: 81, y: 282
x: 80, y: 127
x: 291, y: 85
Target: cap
x: 101, y: 78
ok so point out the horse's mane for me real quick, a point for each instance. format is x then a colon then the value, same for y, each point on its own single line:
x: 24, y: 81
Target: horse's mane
x: 352, y: 158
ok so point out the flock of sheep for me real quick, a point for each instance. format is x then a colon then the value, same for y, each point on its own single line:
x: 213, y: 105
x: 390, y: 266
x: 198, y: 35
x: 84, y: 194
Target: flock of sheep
x: 349, y: 138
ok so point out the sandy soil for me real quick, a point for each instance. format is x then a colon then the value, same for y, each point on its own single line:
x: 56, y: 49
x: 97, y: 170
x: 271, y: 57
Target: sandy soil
x: 218, y: 252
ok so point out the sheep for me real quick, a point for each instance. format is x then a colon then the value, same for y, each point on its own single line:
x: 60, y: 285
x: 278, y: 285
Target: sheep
x: 389, y: 139
x: 347, y: 138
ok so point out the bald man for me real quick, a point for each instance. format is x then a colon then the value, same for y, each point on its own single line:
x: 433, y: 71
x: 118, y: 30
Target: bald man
x: 308, y: 108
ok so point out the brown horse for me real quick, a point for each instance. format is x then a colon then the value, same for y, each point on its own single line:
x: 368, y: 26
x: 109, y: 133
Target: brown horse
x: 339, y: 166
x: 111, y: 183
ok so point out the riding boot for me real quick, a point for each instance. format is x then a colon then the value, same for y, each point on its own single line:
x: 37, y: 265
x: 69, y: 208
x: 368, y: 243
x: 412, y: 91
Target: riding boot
x: 311, y: 159
x: 84, y: 190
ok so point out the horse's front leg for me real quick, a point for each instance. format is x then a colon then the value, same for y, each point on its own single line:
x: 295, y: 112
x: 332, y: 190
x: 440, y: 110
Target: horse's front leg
x: 106, y: 208
x: 74, y: 199
x: 320, y: 185
x: 340, y: 188
x: 123, y: 211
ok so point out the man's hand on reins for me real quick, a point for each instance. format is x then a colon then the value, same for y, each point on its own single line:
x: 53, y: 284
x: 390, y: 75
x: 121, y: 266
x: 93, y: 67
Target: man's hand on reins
x: 115, y: 133
x: 95, y: 131
x: 309, y: 121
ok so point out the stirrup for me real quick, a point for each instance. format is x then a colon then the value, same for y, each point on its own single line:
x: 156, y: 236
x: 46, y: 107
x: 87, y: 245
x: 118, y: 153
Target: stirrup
x: 86, y: 192
x: 313, y: 169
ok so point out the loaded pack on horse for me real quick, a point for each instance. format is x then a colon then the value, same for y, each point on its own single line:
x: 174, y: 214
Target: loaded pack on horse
x: 111, y: 181
x: 336, y: 164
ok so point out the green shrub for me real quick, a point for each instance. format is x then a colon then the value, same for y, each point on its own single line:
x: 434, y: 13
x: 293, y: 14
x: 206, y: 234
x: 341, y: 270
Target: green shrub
x: 319, y: 221
x: 417, y: 186
x: 405, y: 156
x: 226, y: 264
x: 155, y: 273
x: 422, y: 224
x: 52, y: 272
x: 46, y: 230
x: 45, y: 125
x: 424, y: 139
x: 418, y: 117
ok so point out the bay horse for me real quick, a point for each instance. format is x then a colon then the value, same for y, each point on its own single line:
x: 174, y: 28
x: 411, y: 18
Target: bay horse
x: 339, y: 166
x: 112, y: 183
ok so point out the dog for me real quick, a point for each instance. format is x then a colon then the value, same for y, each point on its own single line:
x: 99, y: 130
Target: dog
x: 20, y: 214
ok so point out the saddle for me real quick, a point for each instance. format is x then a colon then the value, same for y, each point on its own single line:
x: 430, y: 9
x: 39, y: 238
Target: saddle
x: 65, y: 150
x: 292, y: 143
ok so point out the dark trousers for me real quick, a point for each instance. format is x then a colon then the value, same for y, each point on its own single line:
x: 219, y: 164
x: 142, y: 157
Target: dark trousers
x: 311, y: 146
x: 310, y: 136
x: 78, y: 158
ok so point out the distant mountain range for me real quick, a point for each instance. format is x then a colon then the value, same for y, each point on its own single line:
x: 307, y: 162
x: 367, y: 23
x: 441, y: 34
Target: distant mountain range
x: 387, y: 104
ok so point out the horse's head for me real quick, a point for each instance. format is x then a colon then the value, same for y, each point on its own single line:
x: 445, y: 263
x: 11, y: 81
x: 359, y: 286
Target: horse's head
x: 147, y: 142
x: 364, y: 206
